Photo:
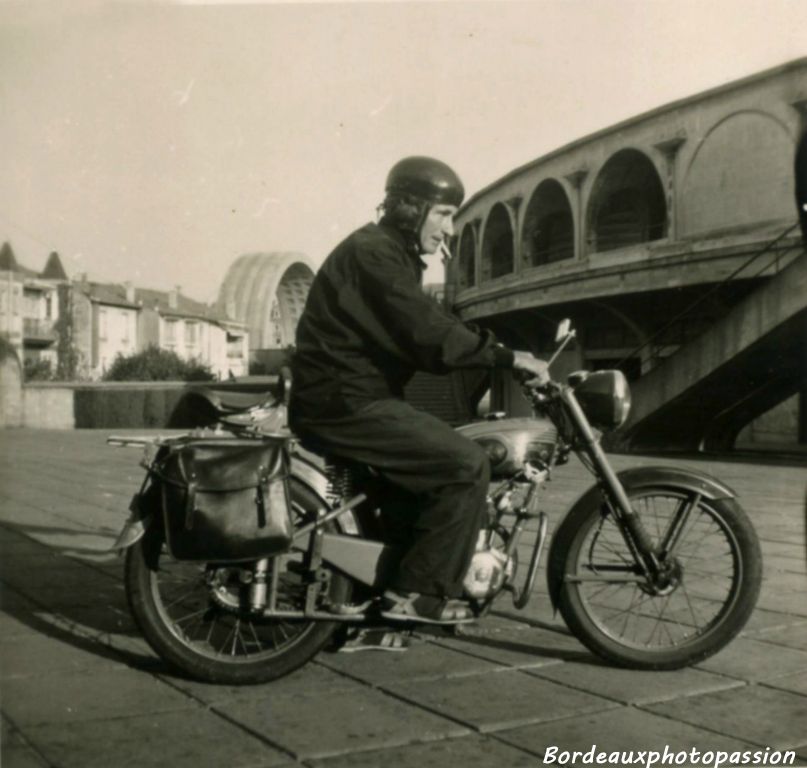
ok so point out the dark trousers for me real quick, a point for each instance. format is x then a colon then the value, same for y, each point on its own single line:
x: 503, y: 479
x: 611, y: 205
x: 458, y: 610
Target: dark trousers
x: 445, y: 475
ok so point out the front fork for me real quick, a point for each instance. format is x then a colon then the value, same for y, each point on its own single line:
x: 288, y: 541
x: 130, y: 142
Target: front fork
x: 636, y: 536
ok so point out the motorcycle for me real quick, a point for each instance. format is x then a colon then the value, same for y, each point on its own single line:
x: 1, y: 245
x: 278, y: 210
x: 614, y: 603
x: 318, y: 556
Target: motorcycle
x: 652, y: 568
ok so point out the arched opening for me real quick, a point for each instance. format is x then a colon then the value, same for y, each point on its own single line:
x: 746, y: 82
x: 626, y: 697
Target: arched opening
x: 497, y: 244
x: 292, y: 292
x: 466, y: 272
x: 548, y: 234
x: 627, y: 205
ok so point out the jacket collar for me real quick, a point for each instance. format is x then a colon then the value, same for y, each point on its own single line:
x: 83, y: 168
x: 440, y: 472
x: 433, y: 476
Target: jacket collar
x: 407, y: 240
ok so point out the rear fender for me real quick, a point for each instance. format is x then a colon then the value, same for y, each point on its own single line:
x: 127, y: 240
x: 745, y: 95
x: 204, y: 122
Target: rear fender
x: 632, y: 480
x: 309, y: 470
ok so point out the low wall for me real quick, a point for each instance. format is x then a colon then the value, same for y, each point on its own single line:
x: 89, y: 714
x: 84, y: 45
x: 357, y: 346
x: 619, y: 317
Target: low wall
x: 48, y: 406
x: 11, y: 413
x: 55, y: 405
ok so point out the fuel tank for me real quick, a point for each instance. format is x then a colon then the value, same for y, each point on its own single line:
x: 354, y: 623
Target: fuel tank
x: 511, y: 442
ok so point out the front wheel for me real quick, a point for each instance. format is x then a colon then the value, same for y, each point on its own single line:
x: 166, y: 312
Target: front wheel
x: 196, y: 615
x: 711, y: 580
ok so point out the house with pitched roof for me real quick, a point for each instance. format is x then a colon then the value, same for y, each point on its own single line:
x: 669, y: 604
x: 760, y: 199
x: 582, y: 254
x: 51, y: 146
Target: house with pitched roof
x: 193, y: 330
x: 112, y: 319
x: 30, y: 306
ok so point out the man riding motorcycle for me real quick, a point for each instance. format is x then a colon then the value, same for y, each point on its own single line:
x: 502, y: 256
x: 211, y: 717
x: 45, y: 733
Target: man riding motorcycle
x: 366, y: 328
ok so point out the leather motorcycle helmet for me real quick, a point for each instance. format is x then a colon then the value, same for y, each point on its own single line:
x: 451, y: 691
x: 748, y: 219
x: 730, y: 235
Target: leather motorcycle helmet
x: 416, y: 183
x: 426, y: 178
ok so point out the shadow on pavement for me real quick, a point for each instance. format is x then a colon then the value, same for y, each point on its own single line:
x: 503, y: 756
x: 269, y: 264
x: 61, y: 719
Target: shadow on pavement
x: 67, y: 599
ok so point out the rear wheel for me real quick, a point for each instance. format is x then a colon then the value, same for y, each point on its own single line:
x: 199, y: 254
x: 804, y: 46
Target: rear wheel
x: 196, y: 616
x: 713, y: 569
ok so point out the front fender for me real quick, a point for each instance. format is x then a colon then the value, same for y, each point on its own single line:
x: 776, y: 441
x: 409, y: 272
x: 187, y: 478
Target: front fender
x: 635, y: 479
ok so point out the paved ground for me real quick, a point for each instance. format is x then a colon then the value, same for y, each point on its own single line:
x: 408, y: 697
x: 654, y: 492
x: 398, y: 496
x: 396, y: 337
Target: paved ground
x: 80, y: 688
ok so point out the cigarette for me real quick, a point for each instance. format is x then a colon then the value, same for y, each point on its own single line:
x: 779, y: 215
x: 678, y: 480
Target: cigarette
x: 444, y: 250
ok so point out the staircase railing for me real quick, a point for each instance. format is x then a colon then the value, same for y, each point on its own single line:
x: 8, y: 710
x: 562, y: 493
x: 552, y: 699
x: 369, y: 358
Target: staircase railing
x: 775, y: 263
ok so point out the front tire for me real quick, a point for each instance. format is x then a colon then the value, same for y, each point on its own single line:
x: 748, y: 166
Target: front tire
x: 194, y: 617
x: 712, y: 586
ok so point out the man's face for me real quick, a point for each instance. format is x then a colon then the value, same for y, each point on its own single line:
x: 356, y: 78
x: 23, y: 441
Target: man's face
x: 439, y: 225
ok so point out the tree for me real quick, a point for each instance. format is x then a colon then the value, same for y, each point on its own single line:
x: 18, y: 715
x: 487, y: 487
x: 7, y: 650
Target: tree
x: 38, y: 370
x: 155, y: 364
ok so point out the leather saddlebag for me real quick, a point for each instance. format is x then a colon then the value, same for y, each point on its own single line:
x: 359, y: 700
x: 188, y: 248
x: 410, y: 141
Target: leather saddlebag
x: 225, y: 499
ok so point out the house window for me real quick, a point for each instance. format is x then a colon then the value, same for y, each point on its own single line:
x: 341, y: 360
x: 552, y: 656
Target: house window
x: 191, y: 334
x: 170, y: 333
x: 48, y: 307
x: 125, y: 322
x: 102, y: 324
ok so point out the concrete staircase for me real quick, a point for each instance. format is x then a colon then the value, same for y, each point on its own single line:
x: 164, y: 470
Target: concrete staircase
x: 703, y: 395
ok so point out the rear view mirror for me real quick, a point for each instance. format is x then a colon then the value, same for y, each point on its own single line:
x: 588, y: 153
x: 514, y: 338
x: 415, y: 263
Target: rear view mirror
x: 564, y: 330
x: 563, y: 336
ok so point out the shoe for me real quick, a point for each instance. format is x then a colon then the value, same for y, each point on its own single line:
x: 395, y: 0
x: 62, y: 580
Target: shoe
x: 375, y: 640
x: 425, y: 609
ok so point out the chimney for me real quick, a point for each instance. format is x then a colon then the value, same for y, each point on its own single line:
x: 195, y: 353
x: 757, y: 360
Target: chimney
x: 130, y: 291
x: 173, y: 297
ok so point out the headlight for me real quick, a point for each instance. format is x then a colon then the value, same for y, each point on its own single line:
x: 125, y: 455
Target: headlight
x: 604, y: 397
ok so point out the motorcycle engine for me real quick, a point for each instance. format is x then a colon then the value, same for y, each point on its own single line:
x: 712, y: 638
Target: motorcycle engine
x: 489, y: 570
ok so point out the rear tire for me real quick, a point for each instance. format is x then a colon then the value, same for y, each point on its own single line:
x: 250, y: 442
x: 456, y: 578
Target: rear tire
x: 714, y: 587
x: 191, y: 614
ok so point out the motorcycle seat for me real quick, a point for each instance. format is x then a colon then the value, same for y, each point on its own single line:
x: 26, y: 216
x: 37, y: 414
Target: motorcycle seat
x: 240, y: 401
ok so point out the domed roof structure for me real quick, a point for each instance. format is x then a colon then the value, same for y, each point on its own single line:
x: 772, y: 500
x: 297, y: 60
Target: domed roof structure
x: 267, y: 292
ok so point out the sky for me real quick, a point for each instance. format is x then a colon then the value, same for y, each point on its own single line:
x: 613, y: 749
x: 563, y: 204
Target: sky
x: 157, y: 142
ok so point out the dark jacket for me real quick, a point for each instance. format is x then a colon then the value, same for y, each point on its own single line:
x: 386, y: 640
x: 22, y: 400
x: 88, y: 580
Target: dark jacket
x: 368, y: 326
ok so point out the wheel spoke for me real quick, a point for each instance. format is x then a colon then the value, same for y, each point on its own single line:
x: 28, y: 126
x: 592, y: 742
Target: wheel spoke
x: 701, y: 558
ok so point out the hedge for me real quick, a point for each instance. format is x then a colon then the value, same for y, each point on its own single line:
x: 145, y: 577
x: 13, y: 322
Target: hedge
x: 133, y: 408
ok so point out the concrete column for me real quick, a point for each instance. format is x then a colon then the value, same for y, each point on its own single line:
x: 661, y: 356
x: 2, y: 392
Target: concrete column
x: 669, y: 149
x: 477, y: 227
x: 514, y: 203
x: 576, y: 179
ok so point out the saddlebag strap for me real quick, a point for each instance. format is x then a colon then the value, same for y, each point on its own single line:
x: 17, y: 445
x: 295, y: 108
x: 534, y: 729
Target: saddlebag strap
x: 189, y: 476
x: 260, y: 498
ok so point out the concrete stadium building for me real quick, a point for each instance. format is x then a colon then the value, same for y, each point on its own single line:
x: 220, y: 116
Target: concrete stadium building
x: 671, y: 241
x: 267, y: 292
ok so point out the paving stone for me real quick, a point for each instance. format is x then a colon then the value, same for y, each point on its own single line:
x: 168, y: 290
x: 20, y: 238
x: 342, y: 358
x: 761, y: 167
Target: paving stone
x: 316, y: 723
x: 762, y: 621
x: 762, y: 715
x: 539, y: 610
x: 473, y: 751
x: 777, y: 599
x: 630, y: 686
x: 500, y: 699
x: 618, y: 730
x: 794, y: 683
x: 203, y: 740
x: 752, y: 660
x: 492, y: 623
x: 45, y: 655
x: 313, y: 677
x: 423, y: 661
x: 97, y: 621
x: 90, y: 589
x: 79, y: 696
x: 791, y: 637
x: 26, y: 571
x: 20, y: 757
x: 519, y: 648
x: 17, y: 614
